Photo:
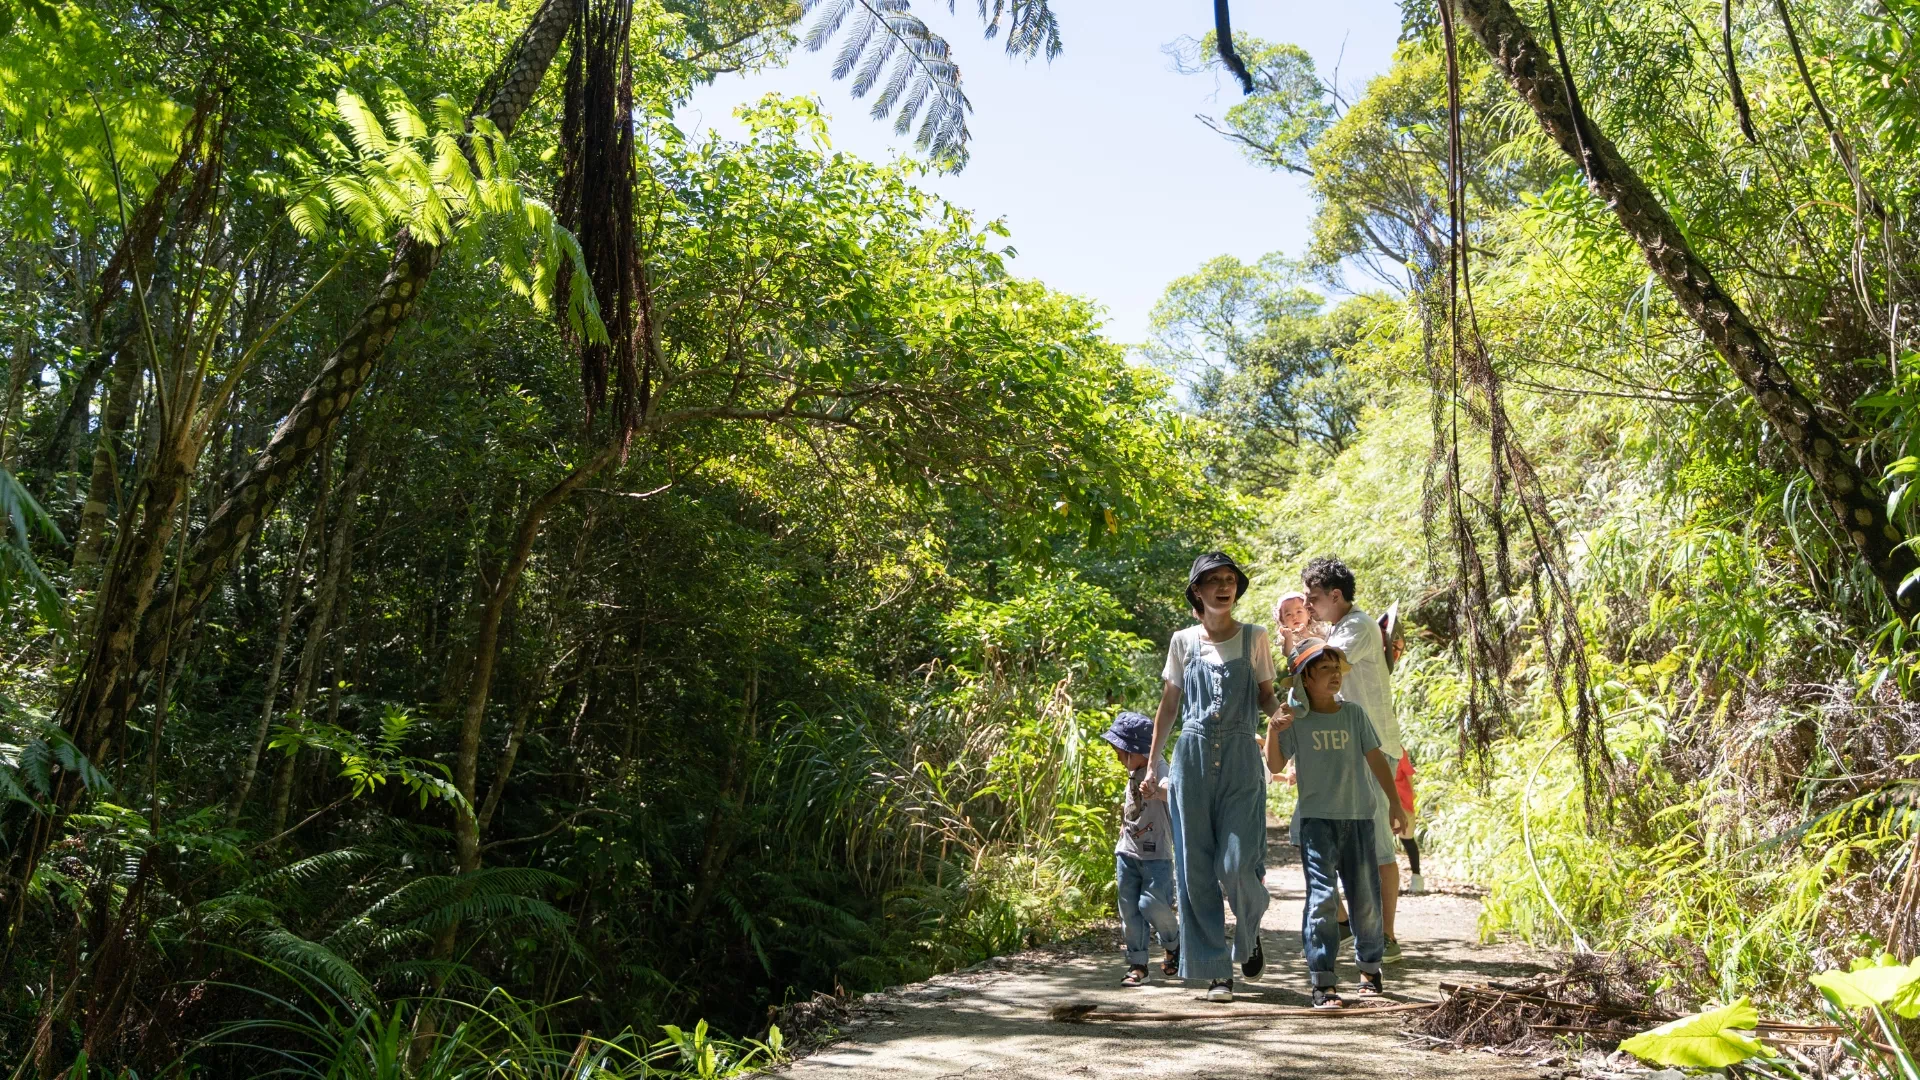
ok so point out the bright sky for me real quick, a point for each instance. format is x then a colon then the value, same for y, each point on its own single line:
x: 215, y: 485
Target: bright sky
x: 1110, y: 186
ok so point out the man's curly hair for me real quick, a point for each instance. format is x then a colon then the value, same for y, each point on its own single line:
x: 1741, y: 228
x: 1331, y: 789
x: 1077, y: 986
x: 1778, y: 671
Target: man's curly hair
x: 1328, y: 573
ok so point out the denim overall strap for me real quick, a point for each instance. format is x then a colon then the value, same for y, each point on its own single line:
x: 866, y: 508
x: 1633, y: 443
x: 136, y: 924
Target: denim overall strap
x: 1220, y: 813
x: 1221, y: 699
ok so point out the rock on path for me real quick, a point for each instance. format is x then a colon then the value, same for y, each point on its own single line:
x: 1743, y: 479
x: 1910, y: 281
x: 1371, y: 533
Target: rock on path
x: 990, y: 1023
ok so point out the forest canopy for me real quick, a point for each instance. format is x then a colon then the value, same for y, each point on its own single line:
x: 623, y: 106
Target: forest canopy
x: 483, y: 564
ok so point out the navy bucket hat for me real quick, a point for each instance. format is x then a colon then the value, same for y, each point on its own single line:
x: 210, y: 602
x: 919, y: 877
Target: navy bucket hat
x: 1214, y: 560
x: 1131, y: 732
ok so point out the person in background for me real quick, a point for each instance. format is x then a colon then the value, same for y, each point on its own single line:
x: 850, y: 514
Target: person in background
x: 1219, y: 680
x: 1393, y: 638
x: 1143, y: 857
x: 1330, y: 596
x: 1335, y: 748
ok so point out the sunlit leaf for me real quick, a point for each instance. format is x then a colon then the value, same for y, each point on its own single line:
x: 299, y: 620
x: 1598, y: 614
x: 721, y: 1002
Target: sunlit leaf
x: 1708, y: 1040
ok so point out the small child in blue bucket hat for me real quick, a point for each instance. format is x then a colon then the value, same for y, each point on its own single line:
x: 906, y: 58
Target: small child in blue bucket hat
x: 1143, y: 857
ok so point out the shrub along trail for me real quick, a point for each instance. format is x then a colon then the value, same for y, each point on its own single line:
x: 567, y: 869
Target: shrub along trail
x: 993, y: 1021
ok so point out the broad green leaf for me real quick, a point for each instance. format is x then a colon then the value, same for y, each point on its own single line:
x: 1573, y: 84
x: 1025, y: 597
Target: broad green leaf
x: 1708, y: 1040
x: 1878, y: 982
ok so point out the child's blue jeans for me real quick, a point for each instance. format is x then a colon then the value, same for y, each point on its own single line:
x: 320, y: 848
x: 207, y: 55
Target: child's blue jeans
x: 1337, y: 856
x: 1146, y: 902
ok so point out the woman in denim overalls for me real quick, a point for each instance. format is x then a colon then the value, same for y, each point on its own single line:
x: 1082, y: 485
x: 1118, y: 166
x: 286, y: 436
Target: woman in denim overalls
x: 1219, y: 777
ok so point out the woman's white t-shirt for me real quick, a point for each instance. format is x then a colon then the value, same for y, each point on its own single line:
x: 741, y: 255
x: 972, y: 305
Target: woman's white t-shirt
x: 1193, y: 641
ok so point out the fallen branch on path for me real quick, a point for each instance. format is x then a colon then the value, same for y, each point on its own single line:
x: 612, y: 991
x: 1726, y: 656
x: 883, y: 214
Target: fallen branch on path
x: 1083, y: 1014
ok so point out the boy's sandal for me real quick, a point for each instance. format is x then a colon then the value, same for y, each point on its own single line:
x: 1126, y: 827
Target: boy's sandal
x: 1136, y: 976
x: 1170, y: 963
x: 1370, y: 986
x: 1327, y: 998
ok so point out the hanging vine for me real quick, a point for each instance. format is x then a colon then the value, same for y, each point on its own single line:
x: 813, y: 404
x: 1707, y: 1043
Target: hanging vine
x: 1467, y: 391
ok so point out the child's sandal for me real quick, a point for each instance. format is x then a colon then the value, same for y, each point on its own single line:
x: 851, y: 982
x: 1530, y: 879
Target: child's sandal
x: 1170, y: 963
x: 1325, y: 997
x: 1136, y: 976
x: 1370, y: 986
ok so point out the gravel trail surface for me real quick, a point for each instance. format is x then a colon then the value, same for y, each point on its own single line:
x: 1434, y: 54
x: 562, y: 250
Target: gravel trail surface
x: 991, y: 1022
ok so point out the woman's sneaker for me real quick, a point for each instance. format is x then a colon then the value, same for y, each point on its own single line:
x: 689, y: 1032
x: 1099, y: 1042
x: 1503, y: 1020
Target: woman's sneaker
x: 1417, y: 886
x: 1220, y: 990
x: 1391, y: 954
x: 1254, y: 964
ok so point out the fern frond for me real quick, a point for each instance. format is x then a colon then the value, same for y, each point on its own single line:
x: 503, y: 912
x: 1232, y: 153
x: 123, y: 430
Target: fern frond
x: 924, y: 76
x: 748, y: 926
x: 871, y: 67
x: 1888, y: 808
x: 20, y: 518
x: 828, y: 24
x: 319, y: 962
x: 865, y: 19
x: 1031, y: 26
x: 405, y: 120
x: 369, y: 137
x: 444, y: 973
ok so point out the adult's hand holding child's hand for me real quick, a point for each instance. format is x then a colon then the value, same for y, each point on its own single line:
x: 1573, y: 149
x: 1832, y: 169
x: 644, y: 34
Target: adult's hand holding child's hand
x: 1149, y: 785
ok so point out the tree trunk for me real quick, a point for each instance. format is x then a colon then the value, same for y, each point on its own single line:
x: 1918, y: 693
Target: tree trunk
x: 720, y: 839
x: 325, y: 597
x: 503, y: 771
x: 123, y: 387
x: 1845, y: 486
x: 289, y: 594
x: 486, y: 649
x: 104, y: 695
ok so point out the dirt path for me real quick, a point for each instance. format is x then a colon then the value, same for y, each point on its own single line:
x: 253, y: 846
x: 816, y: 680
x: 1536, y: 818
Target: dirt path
x: 991, y: 1022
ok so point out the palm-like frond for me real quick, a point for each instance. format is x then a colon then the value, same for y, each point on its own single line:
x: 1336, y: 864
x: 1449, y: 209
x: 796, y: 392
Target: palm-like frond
x: 1031, y: 25
x: 20, y: 518
x: 318, y: 961
x: 923, y: 83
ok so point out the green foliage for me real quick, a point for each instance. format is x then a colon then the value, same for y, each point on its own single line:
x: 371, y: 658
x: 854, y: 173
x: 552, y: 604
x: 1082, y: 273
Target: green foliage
x: 1265, y: 364
x: 924, y: 82
x: 1710, y: 1040
x: 439, y: 1038
x: 21, y: 518
x: 444, y: 182
x: 367, y: 763
x: 61, y: 116
x: 1872, y: 983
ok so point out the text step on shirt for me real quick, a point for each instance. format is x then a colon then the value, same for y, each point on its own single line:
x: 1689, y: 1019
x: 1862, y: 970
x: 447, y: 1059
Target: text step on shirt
x: 1329, y: 751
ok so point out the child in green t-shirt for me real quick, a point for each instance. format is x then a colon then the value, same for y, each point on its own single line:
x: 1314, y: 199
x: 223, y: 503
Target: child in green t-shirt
x: 1334, y: 748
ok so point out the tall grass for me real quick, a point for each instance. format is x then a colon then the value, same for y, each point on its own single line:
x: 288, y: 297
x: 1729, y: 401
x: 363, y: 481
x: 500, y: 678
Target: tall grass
x: 1721, y: 743
x: 314, y: 1031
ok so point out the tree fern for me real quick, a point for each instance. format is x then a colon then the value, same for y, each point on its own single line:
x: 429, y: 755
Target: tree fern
x: 318, y: 961
x: 20, y: 518
x: 1031, y: 26
x: 923, y: 81
x: 444, y: 179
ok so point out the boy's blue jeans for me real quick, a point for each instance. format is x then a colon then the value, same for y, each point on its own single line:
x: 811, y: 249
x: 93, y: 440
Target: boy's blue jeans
x: 1146, y: 902
x: 1338, y: 855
